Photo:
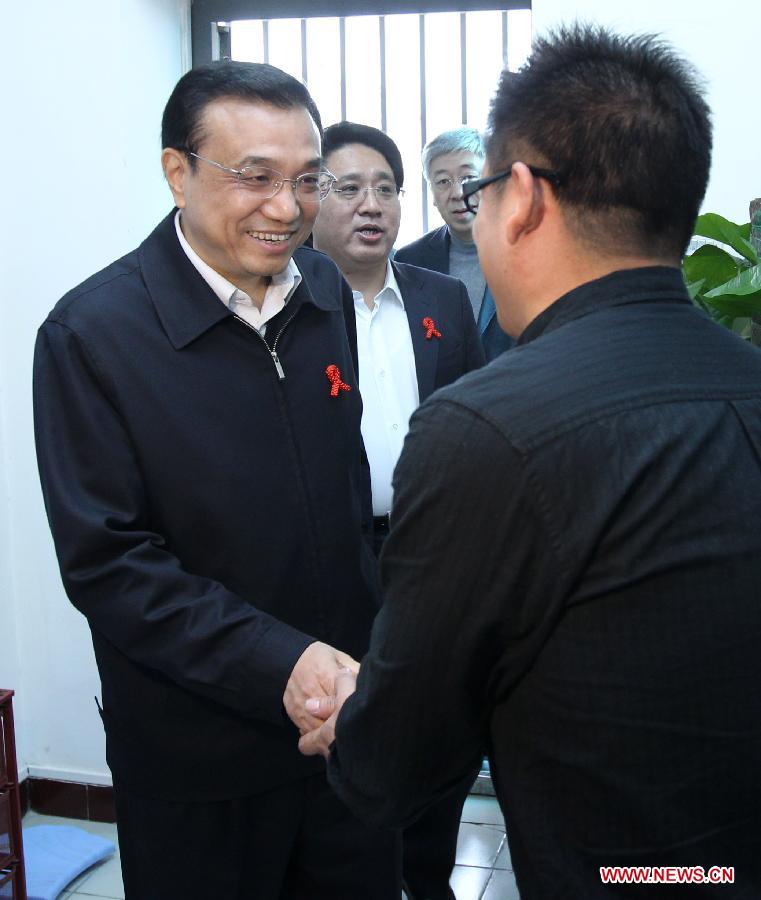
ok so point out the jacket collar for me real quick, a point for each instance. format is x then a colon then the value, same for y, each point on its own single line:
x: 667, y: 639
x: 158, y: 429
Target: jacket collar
x: 439, y: 244
x: 185, y: 304
x: 647, y: 284
x: 410, y: 284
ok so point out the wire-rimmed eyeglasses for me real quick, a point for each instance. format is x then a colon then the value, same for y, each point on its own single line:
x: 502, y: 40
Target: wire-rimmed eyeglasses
x: 353, y: 193
x: 311, y: 187
x: 472, y: 190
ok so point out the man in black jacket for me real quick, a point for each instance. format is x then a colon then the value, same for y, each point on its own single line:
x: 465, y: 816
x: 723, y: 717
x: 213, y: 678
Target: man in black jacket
x: 604, y: 643
x: 198, y: 435
x: 450, y: 161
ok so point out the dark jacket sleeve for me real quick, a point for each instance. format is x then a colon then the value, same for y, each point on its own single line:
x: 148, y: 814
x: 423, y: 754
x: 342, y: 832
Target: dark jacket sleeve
x: 366, y: 494
x: 119, y: 572
x: 471, y: 586
x: 473, y: 349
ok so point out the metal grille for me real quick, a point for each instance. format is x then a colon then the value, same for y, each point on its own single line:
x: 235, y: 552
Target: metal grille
x: 412, y: 75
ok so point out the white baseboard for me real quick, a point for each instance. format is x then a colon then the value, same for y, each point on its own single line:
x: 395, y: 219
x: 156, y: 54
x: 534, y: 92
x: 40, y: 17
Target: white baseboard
x: 101, y: 778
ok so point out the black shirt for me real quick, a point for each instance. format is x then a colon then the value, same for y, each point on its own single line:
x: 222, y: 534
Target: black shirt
x: 572, y: 583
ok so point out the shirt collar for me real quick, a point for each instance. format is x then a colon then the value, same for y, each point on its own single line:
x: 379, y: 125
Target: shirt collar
x: 390, y: 289
x: 664, y: 283
x: 286, y: 281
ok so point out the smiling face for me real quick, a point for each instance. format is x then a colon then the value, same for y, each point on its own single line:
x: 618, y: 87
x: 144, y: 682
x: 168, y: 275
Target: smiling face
x: 357, y: 227
x: 243, y: 237
x: 448, y: 199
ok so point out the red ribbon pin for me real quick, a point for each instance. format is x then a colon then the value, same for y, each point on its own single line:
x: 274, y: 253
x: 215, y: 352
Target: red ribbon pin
x: 336, y: 384
x: 430, y: 328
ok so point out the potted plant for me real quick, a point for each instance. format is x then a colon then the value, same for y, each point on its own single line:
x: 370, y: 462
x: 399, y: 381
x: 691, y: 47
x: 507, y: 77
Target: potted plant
x: 725, y: 281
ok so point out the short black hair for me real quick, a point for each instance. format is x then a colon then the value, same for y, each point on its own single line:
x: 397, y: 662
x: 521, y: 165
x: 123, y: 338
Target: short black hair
x: 182, y: 122
x: 343, y: 133
x: 624, y: 122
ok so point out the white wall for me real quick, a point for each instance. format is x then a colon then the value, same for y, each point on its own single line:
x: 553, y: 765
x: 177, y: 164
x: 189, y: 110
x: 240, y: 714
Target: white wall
x: 722, y: 40
x: 84, y: 87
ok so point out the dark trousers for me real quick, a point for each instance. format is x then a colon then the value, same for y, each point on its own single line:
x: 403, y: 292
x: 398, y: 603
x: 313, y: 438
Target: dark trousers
x: 296, y: 842
x: 429, y: 845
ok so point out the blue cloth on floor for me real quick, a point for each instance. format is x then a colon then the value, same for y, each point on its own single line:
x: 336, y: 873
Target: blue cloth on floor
x: 55, y: 854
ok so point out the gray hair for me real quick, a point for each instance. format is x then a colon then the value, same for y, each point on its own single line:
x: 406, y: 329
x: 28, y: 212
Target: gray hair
x: 455, y: 141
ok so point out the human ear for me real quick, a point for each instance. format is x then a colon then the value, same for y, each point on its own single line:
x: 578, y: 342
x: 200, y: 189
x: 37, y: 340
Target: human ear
x: 175, y: 165
x: 527, y: 205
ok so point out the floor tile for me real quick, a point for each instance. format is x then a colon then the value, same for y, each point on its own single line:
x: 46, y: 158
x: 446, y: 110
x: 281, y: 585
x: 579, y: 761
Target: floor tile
x: 104, y: 881
x: 75, y: 885
x: 478, y: 845
x: 503, y: 860
x: 469, y: 882
x: 482, y: 810
x: 501, y: 886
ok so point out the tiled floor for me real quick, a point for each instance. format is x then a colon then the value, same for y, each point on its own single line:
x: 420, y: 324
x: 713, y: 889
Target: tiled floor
x: 483, y: 870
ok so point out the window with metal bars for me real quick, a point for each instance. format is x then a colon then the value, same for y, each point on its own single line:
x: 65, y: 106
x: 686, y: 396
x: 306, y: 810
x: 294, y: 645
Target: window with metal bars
x: 413, y: 75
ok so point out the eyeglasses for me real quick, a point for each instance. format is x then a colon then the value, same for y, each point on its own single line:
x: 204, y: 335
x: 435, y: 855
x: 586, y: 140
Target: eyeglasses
x: 311, y: 187
x: 353, y: 193
x: 445, y: 184
x: 471, y: 191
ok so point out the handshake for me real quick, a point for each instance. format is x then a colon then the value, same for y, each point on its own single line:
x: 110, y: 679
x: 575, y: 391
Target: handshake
x: 321, y: 681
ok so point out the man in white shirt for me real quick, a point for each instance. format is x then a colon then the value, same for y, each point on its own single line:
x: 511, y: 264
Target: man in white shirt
x: 415, y: 332
x: 415, y: 328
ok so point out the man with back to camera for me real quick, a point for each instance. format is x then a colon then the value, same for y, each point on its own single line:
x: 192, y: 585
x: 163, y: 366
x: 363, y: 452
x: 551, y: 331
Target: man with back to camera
x: 450, y: 161
x: 198, y: 433
x: 605, y: 642
x: 415, y: 333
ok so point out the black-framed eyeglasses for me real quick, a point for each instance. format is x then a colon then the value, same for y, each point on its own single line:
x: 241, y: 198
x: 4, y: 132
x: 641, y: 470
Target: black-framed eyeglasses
x: 471, y: 190
x: 311, y: 187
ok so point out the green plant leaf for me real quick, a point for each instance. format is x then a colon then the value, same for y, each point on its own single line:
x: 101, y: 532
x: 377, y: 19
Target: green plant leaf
x: 732, y: 307
x: 741, y: 296
x: 746, y: 282
x: 710, y: 265
x: 741, y: 326
x: 716, y: 227
x: 694, y: 288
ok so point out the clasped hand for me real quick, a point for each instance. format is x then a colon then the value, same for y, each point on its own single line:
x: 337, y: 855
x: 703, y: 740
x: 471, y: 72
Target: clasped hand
x: 314, y: 678
x: 319, y: 739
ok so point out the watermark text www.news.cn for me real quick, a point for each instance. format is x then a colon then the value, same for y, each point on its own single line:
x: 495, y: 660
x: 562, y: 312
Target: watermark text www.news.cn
x: 667, y: 875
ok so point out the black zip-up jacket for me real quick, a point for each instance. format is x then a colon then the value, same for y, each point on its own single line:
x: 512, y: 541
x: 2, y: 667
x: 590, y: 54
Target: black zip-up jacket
x: 205, y: 511
x: 589, y: 612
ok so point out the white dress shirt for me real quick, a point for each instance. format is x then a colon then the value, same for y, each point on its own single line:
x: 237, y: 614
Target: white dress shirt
x: 387, y: 383
x: 278, y: 292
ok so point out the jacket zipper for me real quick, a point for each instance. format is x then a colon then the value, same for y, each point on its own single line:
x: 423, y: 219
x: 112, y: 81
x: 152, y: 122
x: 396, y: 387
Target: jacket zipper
x: 271, y: 350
